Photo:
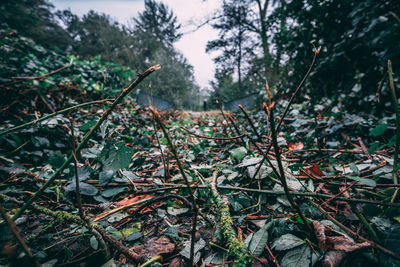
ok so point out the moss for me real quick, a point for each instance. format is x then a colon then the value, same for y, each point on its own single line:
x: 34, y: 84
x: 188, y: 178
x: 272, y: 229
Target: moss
x: 237, y: 250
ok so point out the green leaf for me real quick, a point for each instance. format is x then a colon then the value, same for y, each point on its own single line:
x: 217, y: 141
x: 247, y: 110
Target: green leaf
x: 113, y: 191
x: 287, y: 241
x: 365, y: 181
x: 378, y: 130
x: 299, y: 256
x: 94, y: 243
x: 85, y: 189
x: 239, y: 153
x: 87, y: 125
x: 354, y: 168
x: 117, y: 156
x: 259, y: 240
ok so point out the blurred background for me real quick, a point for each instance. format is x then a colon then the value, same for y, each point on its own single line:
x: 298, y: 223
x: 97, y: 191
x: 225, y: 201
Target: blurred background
x: 228, y: 49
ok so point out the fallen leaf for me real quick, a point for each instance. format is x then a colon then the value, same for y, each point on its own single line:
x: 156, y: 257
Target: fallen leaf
x: 155, y: 246
x: 133, y: 200
x: 295, y: 146
x: 333, y: 258
x: 314, y: 170
x: 326, y: 240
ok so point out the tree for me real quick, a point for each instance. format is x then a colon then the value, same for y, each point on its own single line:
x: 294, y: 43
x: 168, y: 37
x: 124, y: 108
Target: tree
x: 34, y: 19
x: 243, y: 40
x: 356, y: 43
x: 158, y: 22
x: 155, y: 30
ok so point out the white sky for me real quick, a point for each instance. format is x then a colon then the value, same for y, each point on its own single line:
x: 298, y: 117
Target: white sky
x: 189, y: 13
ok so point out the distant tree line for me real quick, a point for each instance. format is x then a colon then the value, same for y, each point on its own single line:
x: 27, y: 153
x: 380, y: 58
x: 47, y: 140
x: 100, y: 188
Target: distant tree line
x: 146, y: 41
x: 272, y: 40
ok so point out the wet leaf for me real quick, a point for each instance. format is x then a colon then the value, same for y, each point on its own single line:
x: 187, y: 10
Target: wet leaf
x: 378, y: 130
x: 286, y: 242
x: 259, y: 240
x: 299, y: 256
x: 94, y: 243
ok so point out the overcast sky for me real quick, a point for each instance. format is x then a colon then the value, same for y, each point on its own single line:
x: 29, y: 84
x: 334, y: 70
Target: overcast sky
x: 189, y: 13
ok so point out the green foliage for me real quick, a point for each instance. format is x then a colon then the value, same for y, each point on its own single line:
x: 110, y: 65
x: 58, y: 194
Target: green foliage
x: 34, y: 19
x: 355, y: 44
x: 147, y: 41
x: 85, y: 79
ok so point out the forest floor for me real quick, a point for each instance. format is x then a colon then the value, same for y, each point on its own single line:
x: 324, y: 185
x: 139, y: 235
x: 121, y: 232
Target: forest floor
x: 339, y: 173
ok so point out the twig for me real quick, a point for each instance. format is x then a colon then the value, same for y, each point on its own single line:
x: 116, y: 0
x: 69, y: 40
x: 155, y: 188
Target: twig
x: 97, y: 235
x: 236, y: 128
x: 110, y: 212
x: 169, y: 196
x: 282, y: 172
x: 316, y: 52
x: 86, y: 138
x: 364, y: 148
x: 15, y: 232
x: 46, y: 74
x: 364, y: 221
x: 63, y: 216
x: 163, y: 158
x: 223, y: 115
x: 181, y: 169
x: 52, y: 115
x: 251, y: 123
x: 212, y: 137
x: 274, y: 260
x: 120, y: 247
x: 152, y: 260
x: 338, y: 194
x: 397, y: 112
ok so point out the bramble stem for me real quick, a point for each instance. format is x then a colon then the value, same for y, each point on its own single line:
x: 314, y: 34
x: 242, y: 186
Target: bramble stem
x: 397, y: 112
x: 181, y: 169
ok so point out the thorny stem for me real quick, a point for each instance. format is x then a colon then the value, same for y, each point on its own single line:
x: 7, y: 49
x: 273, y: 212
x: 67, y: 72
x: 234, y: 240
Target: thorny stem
x: 316, y: 51
x: 86, y: 138
x: 364, y: 221
x: 223, y: 115
x: 281, y: 171
x: 47, y: 74
x: 103, y: 244
x: 17, y: 235
x: 52, y: 115
x: 251, y: 123
x: 396, y: 109
x: 236, y: 128
x: 181, y: 169
x: 163, y: 158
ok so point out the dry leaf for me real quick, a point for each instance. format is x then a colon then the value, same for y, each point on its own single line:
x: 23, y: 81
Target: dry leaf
x: 295, y: 146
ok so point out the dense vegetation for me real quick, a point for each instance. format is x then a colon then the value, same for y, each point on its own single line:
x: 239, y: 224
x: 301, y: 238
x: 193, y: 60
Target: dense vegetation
x: 147, y: 41
x: 272, y: 40
x: 310, y: 179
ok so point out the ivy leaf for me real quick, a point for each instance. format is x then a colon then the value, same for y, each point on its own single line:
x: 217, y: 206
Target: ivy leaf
x: 365, y: 181
x: 94, y: 243
x: 378, y: 130
x: 116, y: 156
x: 259, y: 240
x: 238, y: 153
x: 286, y: 242
x: 85, y: 189
x: 299, y: 256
